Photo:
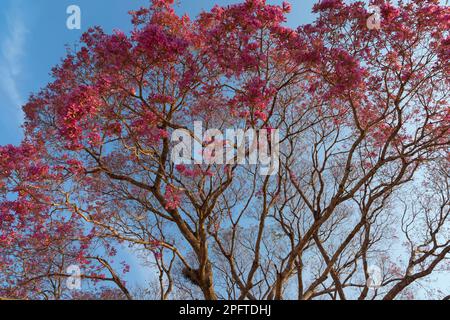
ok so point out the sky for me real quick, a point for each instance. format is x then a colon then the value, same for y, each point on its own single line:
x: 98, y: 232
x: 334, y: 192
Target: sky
x: 34, y: 38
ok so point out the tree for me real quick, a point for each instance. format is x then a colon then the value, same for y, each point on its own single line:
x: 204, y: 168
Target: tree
x: 363, y: 117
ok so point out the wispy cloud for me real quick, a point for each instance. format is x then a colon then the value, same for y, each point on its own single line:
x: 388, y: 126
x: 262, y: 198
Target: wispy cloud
x: 12, y: 52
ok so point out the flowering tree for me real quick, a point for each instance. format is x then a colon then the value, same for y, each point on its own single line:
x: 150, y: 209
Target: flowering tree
x: 358, y: 209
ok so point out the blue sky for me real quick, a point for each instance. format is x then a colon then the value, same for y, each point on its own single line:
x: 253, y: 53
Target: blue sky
x: 33, y: 39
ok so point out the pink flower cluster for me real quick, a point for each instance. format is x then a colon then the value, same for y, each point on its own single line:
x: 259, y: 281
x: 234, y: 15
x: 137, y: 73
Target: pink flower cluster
x: 172, y: 197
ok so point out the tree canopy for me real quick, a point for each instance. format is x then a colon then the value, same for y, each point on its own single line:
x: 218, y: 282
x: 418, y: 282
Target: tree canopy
x: 363, y: 181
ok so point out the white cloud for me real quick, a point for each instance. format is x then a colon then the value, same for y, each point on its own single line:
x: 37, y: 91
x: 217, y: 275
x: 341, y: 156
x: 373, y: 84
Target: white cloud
x: 12, y: 52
